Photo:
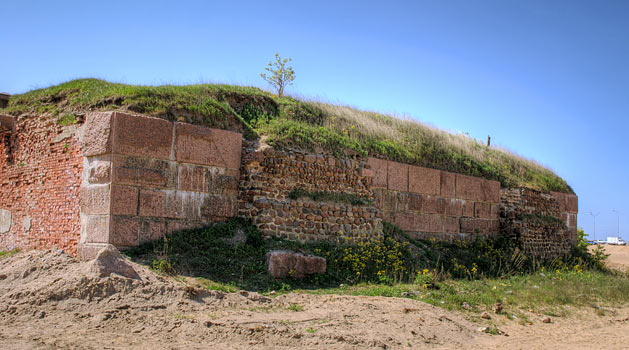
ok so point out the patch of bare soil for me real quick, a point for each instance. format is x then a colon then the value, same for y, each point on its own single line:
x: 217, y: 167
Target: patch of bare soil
x: 48, y: 300
x: 618, y: 256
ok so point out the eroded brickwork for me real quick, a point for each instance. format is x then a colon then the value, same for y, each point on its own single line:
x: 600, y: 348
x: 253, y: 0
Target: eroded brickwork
x: 542, y: 224
x: 40, y: 176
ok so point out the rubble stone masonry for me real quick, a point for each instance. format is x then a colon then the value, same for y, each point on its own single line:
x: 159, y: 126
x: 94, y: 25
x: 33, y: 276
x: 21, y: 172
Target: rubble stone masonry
x: 123, y: 179
x: 542, y: 224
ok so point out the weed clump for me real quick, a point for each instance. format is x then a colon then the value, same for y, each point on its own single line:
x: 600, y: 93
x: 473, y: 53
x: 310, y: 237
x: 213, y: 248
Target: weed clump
x: 393, y: 258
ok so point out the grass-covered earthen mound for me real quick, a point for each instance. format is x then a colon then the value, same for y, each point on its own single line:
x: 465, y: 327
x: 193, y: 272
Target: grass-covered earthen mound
x: 290, y: 122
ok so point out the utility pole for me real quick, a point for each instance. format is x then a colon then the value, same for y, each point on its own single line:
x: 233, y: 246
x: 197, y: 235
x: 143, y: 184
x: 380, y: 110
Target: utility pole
x: 617, y: 222
x: 594, y: 216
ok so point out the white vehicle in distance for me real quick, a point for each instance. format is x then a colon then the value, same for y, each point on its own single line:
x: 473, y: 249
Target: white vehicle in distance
x: 616, y: 241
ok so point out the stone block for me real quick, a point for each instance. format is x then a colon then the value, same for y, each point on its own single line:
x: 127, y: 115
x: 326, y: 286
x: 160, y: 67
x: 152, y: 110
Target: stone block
x: 283, y: 263
x: 379, y: 166
x: 5, y: 220
x: 561, y: 199
x: 95, y: 199
x: 205, y: 146
x: 144, y: 172
x: 7, y: 123
x: 152, y: 230
x: 454, y: 207
x: 109, y: 261
x: 366, y: 172
x: 99, y: 170
x: 142, y: 136
x: 468, y: 208
x: 482, y: 210
x: 192, y: 178
x: 494, y: 213
x: 124, y: 200
x: 571, y: 220
x: 185, y: 205
x: 95, y: 229
x: 397, y: 178
x: 430, y: 223
x: 493, y: 227
x: 433, y: 205
x: 424, y: 180
x: 97, y: 136
x: 89, y: 251
x: 124, y: 231
x: 451, y: 225
x: 474, y: 225
x: 572, y: 203
x: 468, y: 187
x: 415, y: 202
x: 448, y: 184
x: 405, y: 221
x: 218, y: 207
x: 490, y: 191
x: 153, y: 203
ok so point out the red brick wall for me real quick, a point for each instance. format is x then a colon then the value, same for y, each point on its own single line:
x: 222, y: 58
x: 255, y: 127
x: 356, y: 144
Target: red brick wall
x: 40, y: 176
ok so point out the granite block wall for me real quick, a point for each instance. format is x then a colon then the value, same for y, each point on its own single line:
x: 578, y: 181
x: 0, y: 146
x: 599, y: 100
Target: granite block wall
x: 429, y: 203
x: 146, y: 177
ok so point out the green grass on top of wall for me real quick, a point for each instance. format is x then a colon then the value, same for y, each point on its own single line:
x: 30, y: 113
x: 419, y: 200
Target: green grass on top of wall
x: 290, y: 122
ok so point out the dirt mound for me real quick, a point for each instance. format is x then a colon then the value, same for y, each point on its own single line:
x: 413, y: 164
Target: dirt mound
x: 50, y: 300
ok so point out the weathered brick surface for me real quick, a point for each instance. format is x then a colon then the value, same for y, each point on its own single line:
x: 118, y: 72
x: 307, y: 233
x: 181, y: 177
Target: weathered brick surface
x: 424, y: 180
x: 40, y: 178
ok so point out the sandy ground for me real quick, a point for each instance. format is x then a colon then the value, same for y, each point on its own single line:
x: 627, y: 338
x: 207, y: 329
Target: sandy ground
x: 618, y: 255
x: 50, y: 301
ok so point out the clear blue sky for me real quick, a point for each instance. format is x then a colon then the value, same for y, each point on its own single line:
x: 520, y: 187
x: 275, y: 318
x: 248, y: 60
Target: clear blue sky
x: 546, y: 79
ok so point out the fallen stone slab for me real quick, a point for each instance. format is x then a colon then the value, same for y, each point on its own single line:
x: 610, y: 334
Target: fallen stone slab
x: 108, y: 261
x: 286, y: 263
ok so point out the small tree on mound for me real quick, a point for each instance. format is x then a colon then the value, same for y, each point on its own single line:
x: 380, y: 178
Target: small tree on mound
x: 279, y: 75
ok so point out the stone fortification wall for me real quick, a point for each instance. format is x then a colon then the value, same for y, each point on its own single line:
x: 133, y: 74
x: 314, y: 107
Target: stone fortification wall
x: 269, y: 176
x: 145, y: 177
x: 122, y: 179
x: 429, y: 203
x: 40, y: 176
x: 542, y: 224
